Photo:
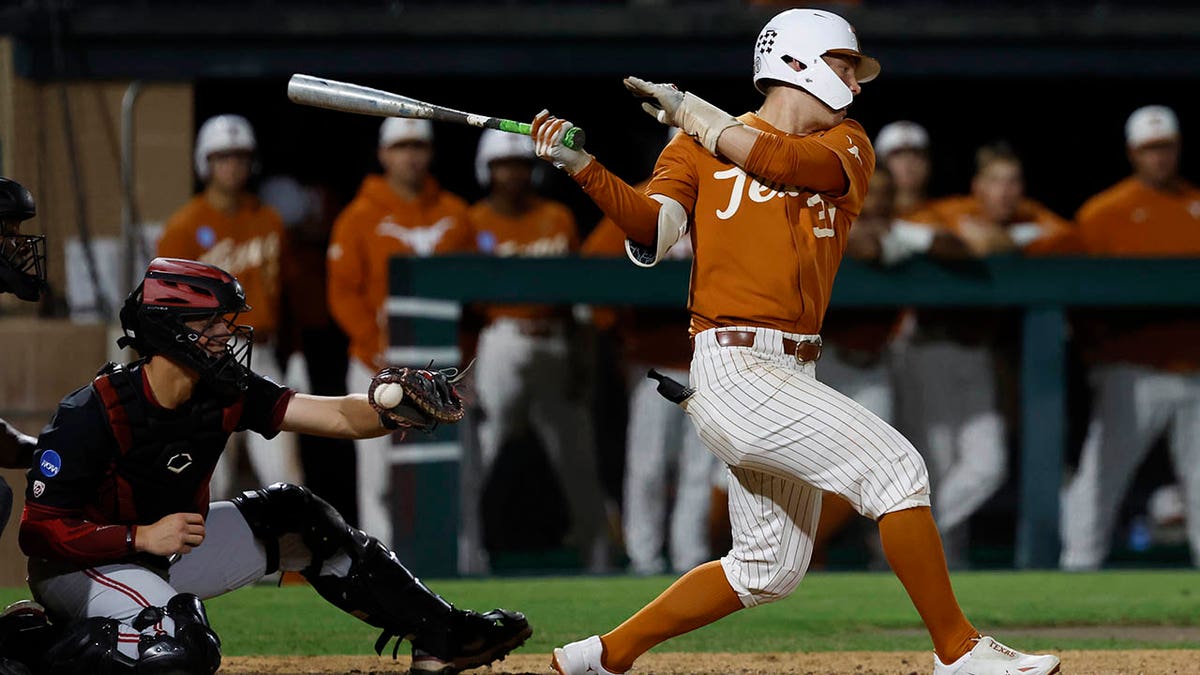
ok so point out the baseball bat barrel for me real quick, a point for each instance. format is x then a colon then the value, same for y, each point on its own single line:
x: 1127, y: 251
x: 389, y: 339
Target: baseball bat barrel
x: 344, y: 96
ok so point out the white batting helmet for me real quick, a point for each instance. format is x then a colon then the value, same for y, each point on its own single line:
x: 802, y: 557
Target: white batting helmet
x: 900, y: 135
x: 495, y: 144
x: 804, y: 36
x: 222, y: 133
x: 403, y: 129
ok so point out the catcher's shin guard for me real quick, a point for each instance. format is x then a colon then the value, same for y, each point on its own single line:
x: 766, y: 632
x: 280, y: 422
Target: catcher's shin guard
x: 25, y: 634
x: 88, y: 648
x: 378, y: 589
x: 194, y: 648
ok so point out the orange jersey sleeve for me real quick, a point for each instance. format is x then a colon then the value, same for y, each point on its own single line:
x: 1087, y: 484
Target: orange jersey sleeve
x: 346, y: 288
x: 804, y: 161
x: 633, y: 211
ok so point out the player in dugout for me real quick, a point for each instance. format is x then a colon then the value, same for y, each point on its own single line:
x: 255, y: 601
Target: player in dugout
x: 768, y: 200
x: 124, y: 544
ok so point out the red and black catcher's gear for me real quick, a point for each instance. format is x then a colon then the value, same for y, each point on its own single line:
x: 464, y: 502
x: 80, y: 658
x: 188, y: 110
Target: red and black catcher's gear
x: 22, y: 256
x: 176, y: 292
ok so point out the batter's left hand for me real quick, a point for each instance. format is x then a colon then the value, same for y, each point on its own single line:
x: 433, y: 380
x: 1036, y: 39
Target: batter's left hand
x: 548, y: 133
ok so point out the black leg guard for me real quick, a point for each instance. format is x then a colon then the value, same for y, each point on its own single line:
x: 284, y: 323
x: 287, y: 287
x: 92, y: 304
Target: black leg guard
x: 194, y: 649
x: 26, y: 634
x: 88, y: 648
x: 378, y: 589
x: 11, y: 667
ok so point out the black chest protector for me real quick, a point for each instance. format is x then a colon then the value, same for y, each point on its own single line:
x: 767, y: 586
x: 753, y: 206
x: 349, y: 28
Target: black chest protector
x: 165, y: 458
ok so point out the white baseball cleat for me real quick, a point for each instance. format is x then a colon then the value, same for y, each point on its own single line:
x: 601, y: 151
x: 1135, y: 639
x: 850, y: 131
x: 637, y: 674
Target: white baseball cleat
x: 989, y: 657
x: 580, y: 658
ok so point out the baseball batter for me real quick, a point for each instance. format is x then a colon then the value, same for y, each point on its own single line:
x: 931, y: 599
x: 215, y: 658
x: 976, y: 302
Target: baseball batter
x: 661, y: 447
x: 524, y: 371
x: 123, y: 542
x: 1143, y: 367
x: 228, y: 227
x: 768, y: 199
x: 402, y: 212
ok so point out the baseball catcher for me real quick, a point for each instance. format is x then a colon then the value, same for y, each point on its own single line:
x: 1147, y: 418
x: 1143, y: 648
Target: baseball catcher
x: 123, y: 543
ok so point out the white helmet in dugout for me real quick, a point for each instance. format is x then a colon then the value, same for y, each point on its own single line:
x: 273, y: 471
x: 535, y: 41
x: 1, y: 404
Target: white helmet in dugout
x: 803, y: 36
x: 223, y: 133
x: 495, y: 144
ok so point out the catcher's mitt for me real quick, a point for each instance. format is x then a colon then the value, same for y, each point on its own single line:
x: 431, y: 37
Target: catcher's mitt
x: 429, y: 397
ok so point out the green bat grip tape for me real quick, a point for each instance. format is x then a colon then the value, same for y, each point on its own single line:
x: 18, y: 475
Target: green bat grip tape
x: 574, y: 139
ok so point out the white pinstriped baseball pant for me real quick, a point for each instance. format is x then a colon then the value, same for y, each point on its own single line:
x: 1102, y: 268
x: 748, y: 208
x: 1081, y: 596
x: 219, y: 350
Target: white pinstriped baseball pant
x: 787, y: 438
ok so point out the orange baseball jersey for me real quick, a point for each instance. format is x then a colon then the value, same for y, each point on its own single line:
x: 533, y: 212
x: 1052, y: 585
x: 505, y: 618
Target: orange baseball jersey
x: 546, y: 229
x: 1132, y: 219
x: 377, y: 225
x: 767, y: 240
x: 648, y: 335
x: 247, y: 243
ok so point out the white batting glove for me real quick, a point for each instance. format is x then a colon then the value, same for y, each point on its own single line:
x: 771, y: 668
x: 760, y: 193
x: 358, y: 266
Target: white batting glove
x: 697, y: 118
x: 548, y: 132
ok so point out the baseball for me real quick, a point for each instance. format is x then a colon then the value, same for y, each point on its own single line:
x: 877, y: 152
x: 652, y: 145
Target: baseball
x: 389, y: 395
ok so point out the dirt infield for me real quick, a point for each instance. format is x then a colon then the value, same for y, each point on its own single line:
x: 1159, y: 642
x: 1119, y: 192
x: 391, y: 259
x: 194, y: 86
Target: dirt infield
x: 1134, y: 662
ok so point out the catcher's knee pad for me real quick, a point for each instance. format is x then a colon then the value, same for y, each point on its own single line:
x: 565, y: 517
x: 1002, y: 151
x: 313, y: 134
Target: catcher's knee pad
x: 758, y: 585
x: 194, y: 649
x: 89, y: 647
x: 284, y: 508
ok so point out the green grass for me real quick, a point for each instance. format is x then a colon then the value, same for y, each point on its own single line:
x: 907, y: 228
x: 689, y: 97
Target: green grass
x: 830, y: 611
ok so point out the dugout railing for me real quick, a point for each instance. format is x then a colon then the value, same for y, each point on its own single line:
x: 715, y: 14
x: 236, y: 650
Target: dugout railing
x: 427, y: 293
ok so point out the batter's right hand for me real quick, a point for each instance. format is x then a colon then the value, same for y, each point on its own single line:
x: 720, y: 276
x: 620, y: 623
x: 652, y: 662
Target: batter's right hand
x: 547, y: 133
x: 176, y: 533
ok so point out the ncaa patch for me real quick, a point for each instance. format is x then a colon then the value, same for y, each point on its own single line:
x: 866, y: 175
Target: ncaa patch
x: 50, y: 464
x: 486, y: 241
x: 205, y: 236
x: 38, y: 488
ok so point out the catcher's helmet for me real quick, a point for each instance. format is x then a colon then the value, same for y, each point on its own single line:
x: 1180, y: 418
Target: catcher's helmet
x: 803, y: 36
x: 223, y: 133
x: 22, y: 256
x: 185, y: 310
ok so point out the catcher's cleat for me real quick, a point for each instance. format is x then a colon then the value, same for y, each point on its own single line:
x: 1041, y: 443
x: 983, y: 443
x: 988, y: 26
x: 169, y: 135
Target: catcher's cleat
x: 482, y: 639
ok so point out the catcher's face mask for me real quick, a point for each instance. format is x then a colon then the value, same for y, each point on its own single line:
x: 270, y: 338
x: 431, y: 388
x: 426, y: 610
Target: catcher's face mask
x: 22, y: 261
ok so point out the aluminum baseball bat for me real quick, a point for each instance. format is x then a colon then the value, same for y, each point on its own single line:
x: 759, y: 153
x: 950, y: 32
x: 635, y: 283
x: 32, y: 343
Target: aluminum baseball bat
x: 333, y: 95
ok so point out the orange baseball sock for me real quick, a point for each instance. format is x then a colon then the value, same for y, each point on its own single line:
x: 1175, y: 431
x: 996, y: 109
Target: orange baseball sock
x: 914, y: 550
x: 696, y: 599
